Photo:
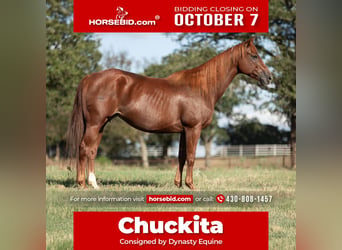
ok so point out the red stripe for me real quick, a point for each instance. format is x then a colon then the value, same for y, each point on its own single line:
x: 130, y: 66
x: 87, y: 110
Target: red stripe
x: 191, y: 15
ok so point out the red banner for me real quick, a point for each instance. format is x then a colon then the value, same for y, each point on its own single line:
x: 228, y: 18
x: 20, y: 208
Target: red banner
x: 171, y: 230
x: 171, y: 16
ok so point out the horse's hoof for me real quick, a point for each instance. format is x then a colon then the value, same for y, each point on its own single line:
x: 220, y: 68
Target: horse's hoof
x: 95, y: 186
x: 81, y: 186
x: 178, y: 184
x: 92, y: 181
x: 190, y: 185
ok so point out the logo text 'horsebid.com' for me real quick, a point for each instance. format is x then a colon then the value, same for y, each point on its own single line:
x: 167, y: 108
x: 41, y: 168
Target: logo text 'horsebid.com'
x: 120, y: 20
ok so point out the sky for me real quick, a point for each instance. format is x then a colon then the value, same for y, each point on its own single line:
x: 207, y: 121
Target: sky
x: 140, y: 46
x: 152, y: 47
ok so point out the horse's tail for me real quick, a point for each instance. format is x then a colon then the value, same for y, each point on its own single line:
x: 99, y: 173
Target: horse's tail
x: 76, y: 127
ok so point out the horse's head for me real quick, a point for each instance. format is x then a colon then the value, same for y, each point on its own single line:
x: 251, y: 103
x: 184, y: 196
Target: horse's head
x: 252, y: 65
x: 120, y: 10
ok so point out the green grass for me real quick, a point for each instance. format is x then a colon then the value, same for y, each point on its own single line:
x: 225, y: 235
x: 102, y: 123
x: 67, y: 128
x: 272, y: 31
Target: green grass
x: 281, y: 183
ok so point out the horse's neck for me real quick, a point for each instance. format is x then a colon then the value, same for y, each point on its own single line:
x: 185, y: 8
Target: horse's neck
x: 211, y: 79
x: 221, y: 70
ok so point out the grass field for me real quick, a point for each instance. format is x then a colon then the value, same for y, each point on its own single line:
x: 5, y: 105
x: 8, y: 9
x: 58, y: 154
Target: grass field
x: 279, y: 182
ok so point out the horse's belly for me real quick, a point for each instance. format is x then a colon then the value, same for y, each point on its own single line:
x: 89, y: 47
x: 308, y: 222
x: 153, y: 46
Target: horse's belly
x: 150, y: 121
x: 152, y: 109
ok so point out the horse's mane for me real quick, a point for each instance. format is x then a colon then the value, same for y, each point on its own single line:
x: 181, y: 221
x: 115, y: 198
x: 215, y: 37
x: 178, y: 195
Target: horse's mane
x: 205, y: 77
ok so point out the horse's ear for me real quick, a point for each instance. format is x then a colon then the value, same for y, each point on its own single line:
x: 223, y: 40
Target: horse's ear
x: 249, y: 42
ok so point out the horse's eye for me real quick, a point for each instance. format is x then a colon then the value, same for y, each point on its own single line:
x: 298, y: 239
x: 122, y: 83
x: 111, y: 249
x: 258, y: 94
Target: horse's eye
x: 254, y: 56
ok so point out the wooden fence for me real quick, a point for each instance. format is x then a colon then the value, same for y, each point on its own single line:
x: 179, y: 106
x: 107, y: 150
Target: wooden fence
x: 221, y: 156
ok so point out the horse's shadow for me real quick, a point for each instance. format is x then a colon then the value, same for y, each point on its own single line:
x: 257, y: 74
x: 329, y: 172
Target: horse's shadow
x: 70, y: 182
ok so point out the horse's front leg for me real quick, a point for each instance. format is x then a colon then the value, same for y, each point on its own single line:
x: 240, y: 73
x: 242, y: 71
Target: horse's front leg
x: 192, y: 136
x: 181, y: 160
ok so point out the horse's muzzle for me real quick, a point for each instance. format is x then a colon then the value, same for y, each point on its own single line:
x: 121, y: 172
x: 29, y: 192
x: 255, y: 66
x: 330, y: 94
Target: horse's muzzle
x: 265, y: 79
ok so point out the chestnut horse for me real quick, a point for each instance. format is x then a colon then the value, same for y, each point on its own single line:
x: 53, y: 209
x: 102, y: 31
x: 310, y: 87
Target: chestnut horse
x: 180, y: 103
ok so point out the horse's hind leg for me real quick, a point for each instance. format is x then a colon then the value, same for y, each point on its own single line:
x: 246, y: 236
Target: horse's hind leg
x: 81, y: 165
x: 91, y: 141
x: 91, y: 163
x: 181, y: 160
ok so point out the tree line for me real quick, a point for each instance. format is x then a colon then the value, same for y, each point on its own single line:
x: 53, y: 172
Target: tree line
x: 71, y: 56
